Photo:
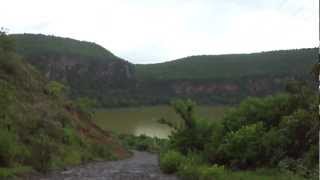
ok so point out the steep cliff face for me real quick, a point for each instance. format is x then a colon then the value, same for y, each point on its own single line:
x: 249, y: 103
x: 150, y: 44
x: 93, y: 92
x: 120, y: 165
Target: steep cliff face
x: 87, y: 68
x: 189, y: 88
x: 210, y: 91
x: 70, y: 68
x: 225, y: 78
x: 65, y: 66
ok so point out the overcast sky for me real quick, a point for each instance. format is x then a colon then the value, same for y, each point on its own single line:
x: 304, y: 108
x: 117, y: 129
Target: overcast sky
x: 150, y: 31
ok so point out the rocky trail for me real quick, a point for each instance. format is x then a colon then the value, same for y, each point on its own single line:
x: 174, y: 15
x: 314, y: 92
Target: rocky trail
x: 141, y: 166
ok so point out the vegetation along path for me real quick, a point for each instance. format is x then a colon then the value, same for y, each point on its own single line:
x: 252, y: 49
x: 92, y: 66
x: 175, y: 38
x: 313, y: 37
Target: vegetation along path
x: 141, y: 166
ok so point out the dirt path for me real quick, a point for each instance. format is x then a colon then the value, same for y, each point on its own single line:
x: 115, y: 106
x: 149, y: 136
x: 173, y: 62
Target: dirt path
x: 141, y: 166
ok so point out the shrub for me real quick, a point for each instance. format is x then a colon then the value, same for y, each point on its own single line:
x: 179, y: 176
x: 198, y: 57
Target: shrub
x: 194, y: 168
x: 72, y: 157
x: 55, y: 88
x: 70, y: 137
x: 297, y: 128
x: 85, y: 104
x: 268, y: 110
x: 10, y: 173
x: 211, y: 150
x: 170, y: 161
x: 102, y: 151
x: 194, y: 134
x: 43, y: 150
x: 9, y: 149
x: 143, y: 143
x: 142, y: 146
x: 189, y: 171
x: 215, y: 172
x: 261, y: 132
x: 7, y: 44
x: 310, y: 158
x: 243, y: 147
x: 261, y: 174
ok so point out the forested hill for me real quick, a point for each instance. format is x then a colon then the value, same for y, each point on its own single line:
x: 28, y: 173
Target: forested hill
x: 273, y: 63
x: 38, y: 44
x: 87, y: 68
x: 225, y: 79
x: 92, y: 71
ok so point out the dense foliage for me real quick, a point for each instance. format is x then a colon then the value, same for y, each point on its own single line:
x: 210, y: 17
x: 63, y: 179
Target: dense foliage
x: 275, y: 132
x: 143, y: 142
x: 39, y: 128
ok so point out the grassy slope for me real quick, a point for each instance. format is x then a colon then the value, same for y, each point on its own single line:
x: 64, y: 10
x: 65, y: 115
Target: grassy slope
x: 233, y: 66
x: 40, y: 131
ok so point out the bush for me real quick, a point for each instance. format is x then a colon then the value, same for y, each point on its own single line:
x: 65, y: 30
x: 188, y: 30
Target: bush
x: 43, y: 151
x: 211, y: 150
x: 9, y: 148
x: 310, y: 159
x: 70, y: 137
x: 215, y: 172
x: 55, y: 89
x: 7, y: 44
x: 143, y: 143
x: 10, y: 173
x: 72, y: 156
x: 143, y: 146
x: 298, y: 129
x: 243, y: 148
x: 170, y: 161
x: 274, y: 145
x: 194, y: 134
x: 102, y: 151
x: 275, y: 131
x: 268, y: 110
x: 190, y: 170
x: 261, y: 174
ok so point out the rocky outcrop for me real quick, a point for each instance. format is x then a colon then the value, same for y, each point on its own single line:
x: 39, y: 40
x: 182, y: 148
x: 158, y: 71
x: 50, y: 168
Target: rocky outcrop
x: 64, y: 67
x: 189, y: 88
x: 85, y: 76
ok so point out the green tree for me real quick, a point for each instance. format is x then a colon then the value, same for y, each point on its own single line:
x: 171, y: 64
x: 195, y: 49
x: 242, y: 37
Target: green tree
x: 55, y: 89
x: 85, y: 103
x: 193, y: 134
x: 243, y: 148
x: 6, y: 42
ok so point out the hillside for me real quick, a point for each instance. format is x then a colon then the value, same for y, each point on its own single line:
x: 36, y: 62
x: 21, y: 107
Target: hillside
x: 225, y: 79
x: 39, y: 128
x: 92, y: 71
x: 38, y: 44
x: 234, y: 66
x: 88, y: 69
